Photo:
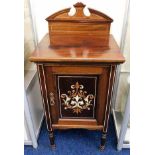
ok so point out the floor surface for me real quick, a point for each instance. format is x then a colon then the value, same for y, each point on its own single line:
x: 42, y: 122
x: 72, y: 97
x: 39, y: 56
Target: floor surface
x: 76, y: 142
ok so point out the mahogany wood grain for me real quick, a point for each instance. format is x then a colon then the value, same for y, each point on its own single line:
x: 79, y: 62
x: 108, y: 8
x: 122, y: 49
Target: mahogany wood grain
x: 89, y: 127
x: 77, y: 121
x: 107, y: 54
x: 79, y: 16
x: 63, y: 28
x: 77, y: 70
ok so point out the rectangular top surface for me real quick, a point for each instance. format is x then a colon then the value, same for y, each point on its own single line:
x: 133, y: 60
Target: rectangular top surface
x: 108, y: 54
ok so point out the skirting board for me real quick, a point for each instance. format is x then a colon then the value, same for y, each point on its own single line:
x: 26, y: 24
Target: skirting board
x: 28, y: 142
x: 118, y: 128
x: 30, y: 79
x: 39, y: 129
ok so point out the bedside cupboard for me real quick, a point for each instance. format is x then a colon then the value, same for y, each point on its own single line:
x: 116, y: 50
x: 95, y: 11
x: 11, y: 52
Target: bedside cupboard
x: 76, y: 63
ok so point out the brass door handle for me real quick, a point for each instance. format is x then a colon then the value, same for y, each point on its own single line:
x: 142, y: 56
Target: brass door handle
x: 52, y: 102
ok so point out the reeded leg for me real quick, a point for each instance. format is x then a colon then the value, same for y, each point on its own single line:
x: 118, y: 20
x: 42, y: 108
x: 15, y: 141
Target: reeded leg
x: 51, y: 136
x: 103, y: 139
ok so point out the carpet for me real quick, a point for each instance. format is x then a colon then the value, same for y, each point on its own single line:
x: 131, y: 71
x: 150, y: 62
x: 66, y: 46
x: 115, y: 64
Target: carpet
x: 76, y: 142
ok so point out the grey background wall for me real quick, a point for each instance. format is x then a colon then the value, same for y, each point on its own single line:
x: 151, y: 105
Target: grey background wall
x: 123, y: 87
x: 31, y: 82
x: 29, y: 43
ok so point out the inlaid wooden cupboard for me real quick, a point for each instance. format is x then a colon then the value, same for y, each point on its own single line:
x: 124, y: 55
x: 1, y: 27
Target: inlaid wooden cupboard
x: 76, y: 63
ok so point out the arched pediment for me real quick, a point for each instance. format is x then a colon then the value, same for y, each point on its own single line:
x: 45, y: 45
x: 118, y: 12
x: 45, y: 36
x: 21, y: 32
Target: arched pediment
x: 79, y: 16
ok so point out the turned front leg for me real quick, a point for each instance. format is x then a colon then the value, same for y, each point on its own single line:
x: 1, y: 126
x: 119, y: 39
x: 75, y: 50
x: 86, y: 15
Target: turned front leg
x: 103, y: 139
x: 51, y: 136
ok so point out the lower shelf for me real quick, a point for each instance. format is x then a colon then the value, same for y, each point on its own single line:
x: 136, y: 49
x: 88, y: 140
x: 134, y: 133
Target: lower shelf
x: 89, y: 127
x: 77, y: 123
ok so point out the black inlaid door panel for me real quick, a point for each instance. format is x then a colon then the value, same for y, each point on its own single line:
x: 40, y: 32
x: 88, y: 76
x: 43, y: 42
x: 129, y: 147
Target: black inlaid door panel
x: 77, y: 96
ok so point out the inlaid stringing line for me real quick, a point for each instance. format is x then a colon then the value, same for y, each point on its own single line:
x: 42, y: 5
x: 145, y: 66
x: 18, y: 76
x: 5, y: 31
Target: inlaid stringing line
x: 95, y: 97
x: 107, y: 96
x: 110, y: 98
x: 47, y: 98
x: 43, y: 98
x: 59, y: 98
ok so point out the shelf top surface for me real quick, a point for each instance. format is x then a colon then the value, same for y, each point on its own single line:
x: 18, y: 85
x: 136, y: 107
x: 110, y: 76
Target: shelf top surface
x: 106, y: 54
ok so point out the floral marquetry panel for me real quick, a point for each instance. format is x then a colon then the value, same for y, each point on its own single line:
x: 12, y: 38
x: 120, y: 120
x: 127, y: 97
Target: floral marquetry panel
x: 77, y: 96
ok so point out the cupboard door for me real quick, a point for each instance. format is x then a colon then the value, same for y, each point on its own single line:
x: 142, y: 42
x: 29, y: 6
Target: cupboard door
x: 79, y: 92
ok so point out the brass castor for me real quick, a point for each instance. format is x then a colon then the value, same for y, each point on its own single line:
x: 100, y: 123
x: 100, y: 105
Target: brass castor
x: 103, y: 139
x: 53, y: 147
x: 101, y: 148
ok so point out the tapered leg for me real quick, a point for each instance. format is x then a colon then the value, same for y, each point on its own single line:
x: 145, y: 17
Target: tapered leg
x: 51, y: 136
x: 103, y: 139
